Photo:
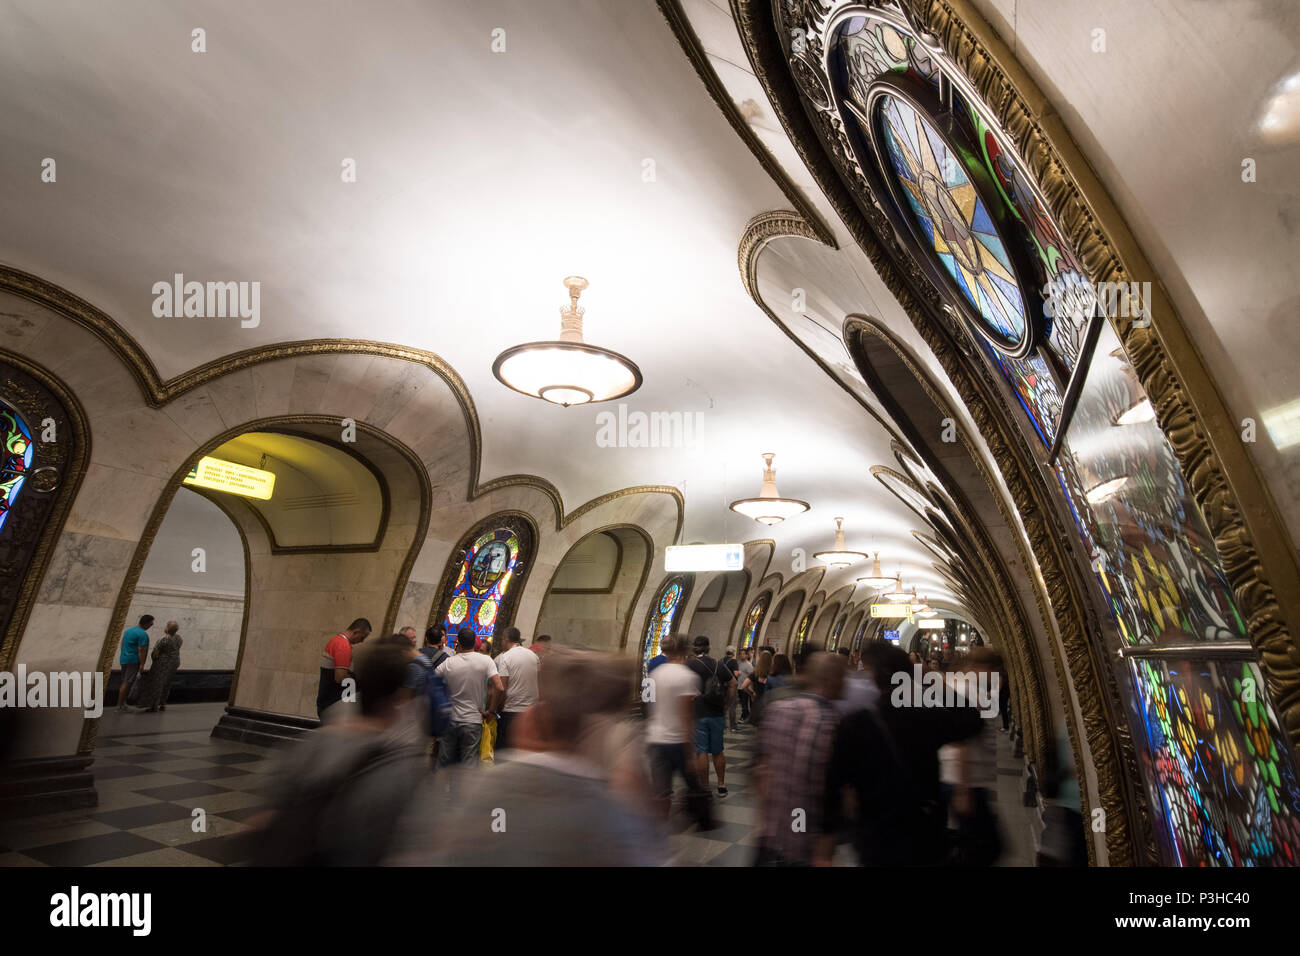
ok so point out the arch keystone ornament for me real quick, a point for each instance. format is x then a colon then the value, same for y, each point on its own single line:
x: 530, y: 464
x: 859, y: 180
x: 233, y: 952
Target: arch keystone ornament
x: 924, y: 134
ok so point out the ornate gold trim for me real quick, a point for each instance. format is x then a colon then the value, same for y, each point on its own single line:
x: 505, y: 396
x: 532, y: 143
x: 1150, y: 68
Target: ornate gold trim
x: 646, y: 540
x: 90, y: 726
x: 74, y: 469
x: 808, y: 220
x: 158, y: 393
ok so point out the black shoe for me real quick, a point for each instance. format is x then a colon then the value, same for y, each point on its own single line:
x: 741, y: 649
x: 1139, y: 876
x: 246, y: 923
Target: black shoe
x: 722, y: 793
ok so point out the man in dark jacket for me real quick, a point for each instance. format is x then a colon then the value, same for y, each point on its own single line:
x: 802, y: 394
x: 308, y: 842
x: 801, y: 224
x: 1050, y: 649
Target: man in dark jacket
x: 889, y: 756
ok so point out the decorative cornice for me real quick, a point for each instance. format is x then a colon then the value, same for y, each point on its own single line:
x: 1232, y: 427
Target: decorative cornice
x: 807, y: 219
x: 976, y: 389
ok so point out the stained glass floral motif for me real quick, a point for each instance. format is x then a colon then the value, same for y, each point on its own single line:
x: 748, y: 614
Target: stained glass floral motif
x: 1217, y: 764
x: 481, y: 585
x: 17, y: 461
x: 753, y: 619
x: 953, y: 217
x: 872, y: 47
x: 662, y: 618
x: 1151, y: 550
x: 1035, y: 389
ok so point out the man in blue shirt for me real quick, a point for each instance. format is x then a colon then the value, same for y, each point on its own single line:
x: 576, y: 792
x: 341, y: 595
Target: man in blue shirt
x: 135, y: 651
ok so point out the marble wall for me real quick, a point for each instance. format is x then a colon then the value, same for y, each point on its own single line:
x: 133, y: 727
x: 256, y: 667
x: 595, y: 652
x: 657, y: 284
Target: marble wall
x: 144, y: 435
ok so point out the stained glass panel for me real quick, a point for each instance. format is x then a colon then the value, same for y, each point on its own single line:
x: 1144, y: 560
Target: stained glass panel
x: 481, y: 584
x: 754, y: 619
x: 662, y: 618
x: 1152, y: 551
x: 954, y: 218
x: 1217, y: 764
x: 17, y: 460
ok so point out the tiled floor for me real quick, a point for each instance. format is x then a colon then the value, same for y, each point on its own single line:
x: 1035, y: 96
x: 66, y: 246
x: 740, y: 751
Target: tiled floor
x: 154, y: 771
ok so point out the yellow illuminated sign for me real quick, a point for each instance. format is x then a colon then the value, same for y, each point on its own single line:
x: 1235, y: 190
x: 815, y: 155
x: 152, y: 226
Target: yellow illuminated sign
x: 892, y: 610
x: 231, y: 477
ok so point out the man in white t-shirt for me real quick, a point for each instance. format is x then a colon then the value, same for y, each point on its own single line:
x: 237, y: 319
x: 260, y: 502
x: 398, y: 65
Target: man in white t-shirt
x: 670, y: 732
x: 518, y: 668
x: 468, y: 676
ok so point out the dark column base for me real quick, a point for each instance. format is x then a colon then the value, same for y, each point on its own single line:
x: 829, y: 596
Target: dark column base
x: 257, y: 727
x: 47, y: 785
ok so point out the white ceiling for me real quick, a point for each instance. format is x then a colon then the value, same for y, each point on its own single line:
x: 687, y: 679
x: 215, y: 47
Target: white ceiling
x: 483, y: 179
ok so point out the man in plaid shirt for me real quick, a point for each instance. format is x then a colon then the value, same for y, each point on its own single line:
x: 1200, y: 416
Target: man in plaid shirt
x: 794, y: 746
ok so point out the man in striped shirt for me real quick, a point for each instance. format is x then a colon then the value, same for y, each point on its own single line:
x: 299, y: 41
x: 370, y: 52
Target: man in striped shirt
x: 794, y: 747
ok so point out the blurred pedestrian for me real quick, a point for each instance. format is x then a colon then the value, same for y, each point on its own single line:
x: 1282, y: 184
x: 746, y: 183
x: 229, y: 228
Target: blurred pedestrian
x: 469, y: 675
x: 670, y: 731
x: 794, y: 750
x: 716, y: 688
x: 518, y: 670
x: 339, y: 791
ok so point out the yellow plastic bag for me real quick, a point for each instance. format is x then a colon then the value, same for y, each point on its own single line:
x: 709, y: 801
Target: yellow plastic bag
x: 488, y: 742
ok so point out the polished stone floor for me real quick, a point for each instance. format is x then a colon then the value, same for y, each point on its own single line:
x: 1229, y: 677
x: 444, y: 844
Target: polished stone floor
x: 153, y: 771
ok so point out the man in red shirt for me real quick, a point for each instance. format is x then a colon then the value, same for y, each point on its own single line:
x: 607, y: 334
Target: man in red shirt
x: 541, y: 644
x: 336, y: 663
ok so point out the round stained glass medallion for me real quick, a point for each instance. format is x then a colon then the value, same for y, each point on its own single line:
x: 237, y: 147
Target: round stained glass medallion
x: 487, y: 613
x: 948, y: 213
x: 668, y: 600
x: 490, y: 563
x: 459, y: 607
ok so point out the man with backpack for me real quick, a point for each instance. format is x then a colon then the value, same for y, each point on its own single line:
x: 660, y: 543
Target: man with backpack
x: 717, y: 689
x: 436, y: 699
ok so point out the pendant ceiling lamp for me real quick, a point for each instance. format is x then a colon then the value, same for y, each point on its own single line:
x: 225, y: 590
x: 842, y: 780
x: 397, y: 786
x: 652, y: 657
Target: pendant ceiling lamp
x: 877, y: 578
x: 567, y: 371
x: 840, y: 557
x: 898, y: 594
x: 769, y: 507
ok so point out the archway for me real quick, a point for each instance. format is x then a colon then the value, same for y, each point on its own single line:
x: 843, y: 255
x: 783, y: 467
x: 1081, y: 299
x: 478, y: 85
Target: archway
x: 335, y: 540
x: 718, y: 611
x: 196, y: 574
x: 588, y: 603
x: 781, y: 623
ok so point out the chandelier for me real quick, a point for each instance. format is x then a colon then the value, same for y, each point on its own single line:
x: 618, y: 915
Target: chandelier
x: 898, y: 594
x: 840, y: 557
x: 769, y: 507
x: 567, y: 371
x: 876, y: 579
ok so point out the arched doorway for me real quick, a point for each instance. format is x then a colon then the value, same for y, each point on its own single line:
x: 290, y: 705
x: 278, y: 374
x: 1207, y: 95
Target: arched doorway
x: 331, y: 538
x: 781, y: 625
x: 718, y: 611
x: 589, y: 601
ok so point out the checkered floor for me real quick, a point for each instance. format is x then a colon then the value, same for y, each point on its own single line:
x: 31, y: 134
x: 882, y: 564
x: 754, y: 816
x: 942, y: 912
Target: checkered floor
x: 150, y: 782
x: 153, y: 771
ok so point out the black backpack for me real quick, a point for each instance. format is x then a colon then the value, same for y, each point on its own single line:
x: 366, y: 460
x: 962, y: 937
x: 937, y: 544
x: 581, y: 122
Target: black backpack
x: 713, y: 694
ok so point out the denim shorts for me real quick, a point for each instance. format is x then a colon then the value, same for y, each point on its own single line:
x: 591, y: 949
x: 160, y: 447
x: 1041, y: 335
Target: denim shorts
x: 708, y: 735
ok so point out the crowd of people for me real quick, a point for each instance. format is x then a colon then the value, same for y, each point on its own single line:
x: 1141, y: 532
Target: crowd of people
x: 595, y: 762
